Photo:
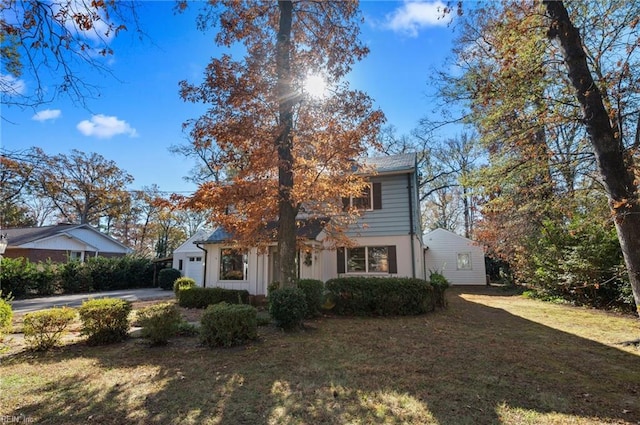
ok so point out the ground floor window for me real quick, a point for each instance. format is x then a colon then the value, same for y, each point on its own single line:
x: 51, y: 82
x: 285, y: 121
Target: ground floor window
x: 76, y: 256
x: 367, y: 259
x: 233, y: 264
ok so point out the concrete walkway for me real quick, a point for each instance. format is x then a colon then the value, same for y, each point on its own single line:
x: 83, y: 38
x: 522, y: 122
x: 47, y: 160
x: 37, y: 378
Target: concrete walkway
x: 75, y: 300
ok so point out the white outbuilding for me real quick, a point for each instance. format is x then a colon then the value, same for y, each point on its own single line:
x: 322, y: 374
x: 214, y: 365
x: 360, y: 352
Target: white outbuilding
x: 459, y: 259
x: 189, y: 259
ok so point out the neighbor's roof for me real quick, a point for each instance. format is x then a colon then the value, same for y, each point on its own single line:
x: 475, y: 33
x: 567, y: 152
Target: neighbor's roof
x: 22, y: 235
x: 308, y: 228
x: 18, y: 236
x: 392, y: 163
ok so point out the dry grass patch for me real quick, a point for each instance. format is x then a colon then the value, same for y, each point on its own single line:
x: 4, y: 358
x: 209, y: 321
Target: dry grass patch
x: 487, y: 359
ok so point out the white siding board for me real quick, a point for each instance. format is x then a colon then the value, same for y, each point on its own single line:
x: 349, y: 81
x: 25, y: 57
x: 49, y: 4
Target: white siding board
x: 442, y: 255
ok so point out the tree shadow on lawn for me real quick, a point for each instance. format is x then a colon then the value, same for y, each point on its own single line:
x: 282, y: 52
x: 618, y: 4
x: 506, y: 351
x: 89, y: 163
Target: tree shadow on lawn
x: 469, y: 364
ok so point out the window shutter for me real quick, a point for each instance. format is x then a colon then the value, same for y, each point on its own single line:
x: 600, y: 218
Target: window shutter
x: 341, y: 268
x: 377, y: 196
x: 393, y: 262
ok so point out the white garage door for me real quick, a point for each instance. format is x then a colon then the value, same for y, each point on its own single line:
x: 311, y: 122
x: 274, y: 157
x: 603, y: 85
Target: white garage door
x: 195, y: 269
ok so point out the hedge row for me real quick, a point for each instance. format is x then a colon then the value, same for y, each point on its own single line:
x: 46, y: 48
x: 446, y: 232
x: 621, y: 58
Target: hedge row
x: 21, y: 277
x: 198, y: 297
x: 364, y: 296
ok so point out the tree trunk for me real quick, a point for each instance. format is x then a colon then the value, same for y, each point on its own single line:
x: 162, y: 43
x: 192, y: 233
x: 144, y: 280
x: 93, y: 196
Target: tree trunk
x: 613, y: 163
x: 284, y: 143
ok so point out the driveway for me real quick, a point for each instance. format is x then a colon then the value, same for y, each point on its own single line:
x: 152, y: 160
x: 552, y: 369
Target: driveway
x: 75, y: 300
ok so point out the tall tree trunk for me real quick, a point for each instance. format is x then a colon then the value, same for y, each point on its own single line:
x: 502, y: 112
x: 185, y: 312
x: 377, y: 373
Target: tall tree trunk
x: 613, y: 163
x: 284, y: 143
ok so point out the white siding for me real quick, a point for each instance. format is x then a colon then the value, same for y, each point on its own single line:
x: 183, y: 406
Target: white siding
x: 329, y: 267
x: 442, y: 255
x: 78, y: 240
x: 189, y: 250
x: 98, y: 240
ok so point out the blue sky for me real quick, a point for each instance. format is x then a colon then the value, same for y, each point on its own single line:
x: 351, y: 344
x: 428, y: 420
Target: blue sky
x: 139, y: 113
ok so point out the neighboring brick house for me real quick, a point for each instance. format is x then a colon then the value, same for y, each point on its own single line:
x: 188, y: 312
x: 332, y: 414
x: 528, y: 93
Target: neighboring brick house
x: 387, y: 238
x: 61, y: 243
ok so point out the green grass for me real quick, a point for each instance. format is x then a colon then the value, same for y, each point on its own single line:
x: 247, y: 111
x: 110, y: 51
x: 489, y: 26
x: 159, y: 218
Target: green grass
x: 490, y: 358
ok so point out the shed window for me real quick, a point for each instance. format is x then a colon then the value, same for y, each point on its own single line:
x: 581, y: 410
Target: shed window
x: 464, y: 261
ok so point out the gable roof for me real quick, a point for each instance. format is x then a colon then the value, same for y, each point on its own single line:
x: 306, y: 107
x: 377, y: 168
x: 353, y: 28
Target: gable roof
x: 189, y: 244
x: 392, y: 163
x: 22, y: 235
x: 19, y: 236
x: 447, y: 234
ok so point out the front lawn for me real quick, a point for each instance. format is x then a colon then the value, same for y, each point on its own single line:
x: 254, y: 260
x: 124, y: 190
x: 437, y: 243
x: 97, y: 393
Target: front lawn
x: 490, y: 358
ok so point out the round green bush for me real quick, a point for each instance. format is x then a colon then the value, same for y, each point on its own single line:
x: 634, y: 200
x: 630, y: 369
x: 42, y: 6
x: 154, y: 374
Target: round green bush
x: 44, y: 329
x: 226, y: 325
x: 288, y: 307
x: 159, y: 322
x: 167, y: 277
x: 105, y: 320
x: 183, y: 283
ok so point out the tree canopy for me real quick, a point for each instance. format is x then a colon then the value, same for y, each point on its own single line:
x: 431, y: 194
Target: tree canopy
x: 279, y: 147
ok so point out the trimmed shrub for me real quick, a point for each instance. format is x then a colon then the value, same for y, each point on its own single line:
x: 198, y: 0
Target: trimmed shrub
x: 183, y: 283
x: 16, y: 275
x: 187, y: 329
x: 313, y: 293
x: 198, y: 297
x: 44, y: 279
x: 288, y: 307
x: 105, y: 320
x: 44, y: 329
x: 159, y: 322
x: 6, y: 315
x: 228, y: 324
x: 363, y: 296
x: 440, y: 285
x: 167, y: 277
x: 75, y: 278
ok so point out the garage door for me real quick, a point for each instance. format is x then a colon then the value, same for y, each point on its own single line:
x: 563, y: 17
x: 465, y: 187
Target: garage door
x: 195, y: 269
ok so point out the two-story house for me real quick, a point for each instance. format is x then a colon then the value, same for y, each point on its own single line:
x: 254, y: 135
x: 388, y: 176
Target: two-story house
x: 386, y: 238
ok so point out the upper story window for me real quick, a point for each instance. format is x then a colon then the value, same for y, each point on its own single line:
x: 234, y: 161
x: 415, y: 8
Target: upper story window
x: 370, y: 198
x: 365, y: 200
x: 233, y: 264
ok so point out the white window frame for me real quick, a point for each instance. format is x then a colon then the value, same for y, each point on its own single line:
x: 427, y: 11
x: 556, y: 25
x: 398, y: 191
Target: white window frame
x: 366, y: 260
x: 76, y: 256
x: 468, y: 266
x: 370, y: 207
x: 245, y: 265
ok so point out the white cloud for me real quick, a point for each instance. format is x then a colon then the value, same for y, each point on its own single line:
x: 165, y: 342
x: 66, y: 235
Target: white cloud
x: 11, y: 85
x: 47, y: 114
x: 105, y: 127
x: 413, y: 16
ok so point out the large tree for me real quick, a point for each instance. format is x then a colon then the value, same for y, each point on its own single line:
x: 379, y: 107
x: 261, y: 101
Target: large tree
x: 281, y: 148
x: 83, y: 187
x: 605, y: 115
x: 550, y: 90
